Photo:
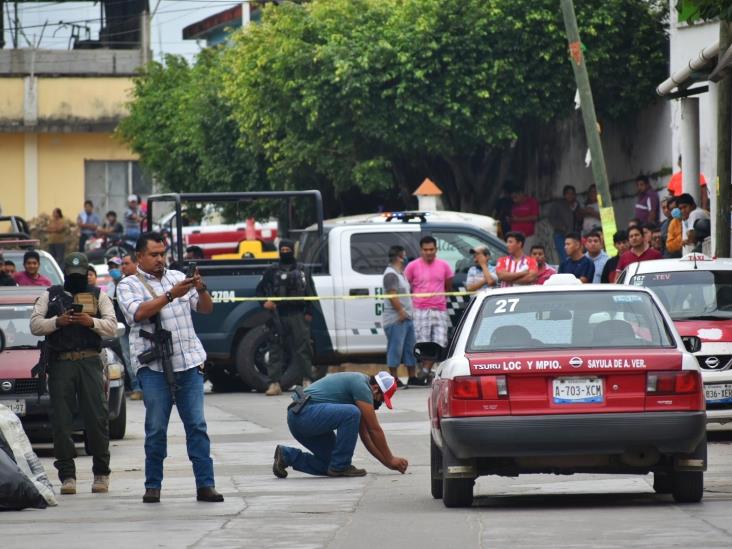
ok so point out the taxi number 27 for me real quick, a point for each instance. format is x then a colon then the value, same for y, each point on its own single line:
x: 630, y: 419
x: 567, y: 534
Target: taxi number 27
x: 506, y: 305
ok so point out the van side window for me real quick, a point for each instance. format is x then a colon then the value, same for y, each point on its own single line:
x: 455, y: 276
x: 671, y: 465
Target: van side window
x: 370, y: 251
x: 454, y: 247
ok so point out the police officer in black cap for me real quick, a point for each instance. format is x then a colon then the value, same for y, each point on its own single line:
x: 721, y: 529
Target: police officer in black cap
x: 290, y: 323
x: 74, y: 318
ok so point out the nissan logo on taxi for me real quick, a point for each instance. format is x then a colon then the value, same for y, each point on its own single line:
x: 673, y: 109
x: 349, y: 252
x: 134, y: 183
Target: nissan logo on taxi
x: 575, y: 362
x: 6, y: 386
x: 712, y: 362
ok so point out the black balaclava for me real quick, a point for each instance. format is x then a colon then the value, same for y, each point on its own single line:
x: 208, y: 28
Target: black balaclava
x: 287, y: 258
x: 76, y: 283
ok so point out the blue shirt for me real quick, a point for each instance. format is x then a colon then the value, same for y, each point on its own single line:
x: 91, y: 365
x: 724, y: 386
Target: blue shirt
x: 599, y: 263
x: 583, y: 267
x: 89, y: 219
x: 341, y: 388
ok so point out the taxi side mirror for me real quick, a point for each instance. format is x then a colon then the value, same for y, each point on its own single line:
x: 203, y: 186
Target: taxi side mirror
x: 2, y: 341
x: 692, y: 343
x: 427, y: 350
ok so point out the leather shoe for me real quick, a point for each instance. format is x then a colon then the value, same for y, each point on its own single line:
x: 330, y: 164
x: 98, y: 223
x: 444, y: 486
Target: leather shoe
x: 152, y: 495
x: 210, y: 494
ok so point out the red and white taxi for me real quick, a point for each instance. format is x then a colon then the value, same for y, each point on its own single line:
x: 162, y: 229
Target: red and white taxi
x: 566, y: 378
x: 696, y: 290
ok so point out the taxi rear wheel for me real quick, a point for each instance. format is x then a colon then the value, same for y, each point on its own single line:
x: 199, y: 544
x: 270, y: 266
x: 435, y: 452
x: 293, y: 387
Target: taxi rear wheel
x: 457, y: 492
x: 435, y: 470
x: 688, y: 486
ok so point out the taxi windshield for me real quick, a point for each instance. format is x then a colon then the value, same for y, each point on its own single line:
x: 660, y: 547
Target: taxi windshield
x: 15, y: 324
x: 550, y: 320
x: 691, y: 295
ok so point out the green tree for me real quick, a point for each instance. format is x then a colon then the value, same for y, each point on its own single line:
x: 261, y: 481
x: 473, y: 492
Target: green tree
x: 376, y: 91
x: 181, y: 127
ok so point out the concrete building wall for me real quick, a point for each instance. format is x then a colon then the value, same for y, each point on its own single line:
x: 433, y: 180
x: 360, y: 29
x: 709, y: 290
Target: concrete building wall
x: 57, y: 160
x: 83, y: 99
x: 12, y: 174
x: 686, y: 42
x: 638, y: 144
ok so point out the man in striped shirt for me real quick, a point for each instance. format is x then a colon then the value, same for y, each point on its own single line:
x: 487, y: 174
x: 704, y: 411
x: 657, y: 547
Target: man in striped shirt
x: 516, y: 268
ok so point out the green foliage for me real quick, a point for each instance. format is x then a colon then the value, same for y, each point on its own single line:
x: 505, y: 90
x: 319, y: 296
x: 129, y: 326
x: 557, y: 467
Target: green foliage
x: 345, y: 87
x: 363, y: 93
x: 693, y: 10
x: 181, y: 127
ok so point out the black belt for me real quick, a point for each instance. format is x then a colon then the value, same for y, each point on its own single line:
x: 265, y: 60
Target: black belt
x: 296, y: 406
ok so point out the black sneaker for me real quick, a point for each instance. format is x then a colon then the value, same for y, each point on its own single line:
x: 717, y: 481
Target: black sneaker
x: 418, y: 381
x: 350, y: 471
x: 279, y: 467
x: 400, y: 385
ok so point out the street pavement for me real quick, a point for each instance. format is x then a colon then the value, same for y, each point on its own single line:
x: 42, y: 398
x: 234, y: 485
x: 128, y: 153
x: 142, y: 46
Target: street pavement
x: 382, y: 510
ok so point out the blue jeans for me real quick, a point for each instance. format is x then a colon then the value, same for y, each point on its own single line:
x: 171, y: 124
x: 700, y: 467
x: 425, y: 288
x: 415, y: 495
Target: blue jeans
x: 559, y: 245
x: 158, y: 404
x: 313, y: 428
x: 400, y: 342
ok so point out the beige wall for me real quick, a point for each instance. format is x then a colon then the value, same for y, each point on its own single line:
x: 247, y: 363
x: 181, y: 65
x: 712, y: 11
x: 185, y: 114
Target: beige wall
x: 67, y: 100
x: 11, y: 99
x: 12, y: 174
x: 83, y: 98
x: 61, y: 158
x: 61, y: 167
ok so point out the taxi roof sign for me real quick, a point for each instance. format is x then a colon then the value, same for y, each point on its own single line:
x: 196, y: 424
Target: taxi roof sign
x: 563, y: 279
x: 694, y: 256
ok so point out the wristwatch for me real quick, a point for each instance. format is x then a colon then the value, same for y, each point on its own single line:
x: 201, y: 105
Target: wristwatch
x: 202, y: 289
x: 169, y: 296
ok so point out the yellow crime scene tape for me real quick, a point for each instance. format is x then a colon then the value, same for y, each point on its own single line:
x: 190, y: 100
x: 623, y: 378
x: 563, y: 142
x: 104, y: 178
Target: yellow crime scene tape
x: 349, y: 297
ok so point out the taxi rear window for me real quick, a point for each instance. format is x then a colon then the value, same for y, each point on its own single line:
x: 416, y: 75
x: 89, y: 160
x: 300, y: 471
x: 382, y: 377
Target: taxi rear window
x: 579, y: 319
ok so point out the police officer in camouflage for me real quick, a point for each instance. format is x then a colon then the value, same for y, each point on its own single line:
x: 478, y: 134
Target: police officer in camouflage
x: 74, y: 318
x: 290, y: 322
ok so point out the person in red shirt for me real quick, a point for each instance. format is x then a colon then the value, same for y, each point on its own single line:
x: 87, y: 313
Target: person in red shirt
x: 639, y: 250
x: 544, y: 271
x: 30, y: 276
x: 516, y: 268
x: 524, y: 213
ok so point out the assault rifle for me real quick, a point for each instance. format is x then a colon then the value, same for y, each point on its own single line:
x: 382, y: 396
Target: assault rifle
x: 162, y: 350
x: 40, y: 370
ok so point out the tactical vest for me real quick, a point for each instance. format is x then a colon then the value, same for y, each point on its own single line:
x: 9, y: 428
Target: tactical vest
x: 290, y: 282
x: 73, y: 338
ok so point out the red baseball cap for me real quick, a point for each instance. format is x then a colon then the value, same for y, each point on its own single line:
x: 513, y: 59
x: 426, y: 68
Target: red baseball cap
x: 388, y: 386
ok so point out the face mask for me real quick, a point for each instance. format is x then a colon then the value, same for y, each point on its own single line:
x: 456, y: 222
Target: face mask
x: 287, y: 258
x: 76, y: 283
x: 676, y: 213
x: 116, y: 274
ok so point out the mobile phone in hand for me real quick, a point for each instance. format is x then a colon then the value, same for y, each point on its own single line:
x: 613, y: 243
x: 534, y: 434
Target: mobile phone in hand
x: 192, y: 269
x: 77, y: 308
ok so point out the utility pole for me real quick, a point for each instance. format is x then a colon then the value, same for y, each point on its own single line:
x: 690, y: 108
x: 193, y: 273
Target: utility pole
x: 724, y: 147
x: 592, y: 130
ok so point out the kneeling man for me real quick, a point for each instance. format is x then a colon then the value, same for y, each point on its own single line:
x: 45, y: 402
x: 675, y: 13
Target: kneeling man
x: 328, y: 416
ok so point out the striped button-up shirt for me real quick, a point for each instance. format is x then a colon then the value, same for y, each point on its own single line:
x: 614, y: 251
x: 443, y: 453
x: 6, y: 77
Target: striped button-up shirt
x: 176, y: 317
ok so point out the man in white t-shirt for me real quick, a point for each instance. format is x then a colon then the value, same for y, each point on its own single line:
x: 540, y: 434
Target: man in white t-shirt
x: 690, y: 214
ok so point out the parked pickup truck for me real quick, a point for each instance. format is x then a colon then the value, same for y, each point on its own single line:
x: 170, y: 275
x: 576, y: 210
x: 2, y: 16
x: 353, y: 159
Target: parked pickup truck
x: 346, y: 257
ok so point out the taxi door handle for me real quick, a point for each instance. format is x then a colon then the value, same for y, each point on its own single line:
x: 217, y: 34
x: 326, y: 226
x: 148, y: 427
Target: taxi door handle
x: 358, y: 291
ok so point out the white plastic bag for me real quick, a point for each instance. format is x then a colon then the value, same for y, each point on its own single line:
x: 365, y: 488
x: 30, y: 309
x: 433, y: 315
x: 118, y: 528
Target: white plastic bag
x: 25, y: 457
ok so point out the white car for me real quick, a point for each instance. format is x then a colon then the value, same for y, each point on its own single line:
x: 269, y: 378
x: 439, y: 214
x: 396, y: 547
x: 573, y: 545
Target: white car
x: 696, y: 290
x: 566, y: 378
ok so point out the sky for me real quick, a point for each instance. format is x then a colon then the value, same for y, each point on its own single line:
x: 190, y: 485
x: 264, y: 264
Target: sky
x: 167, y: 24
